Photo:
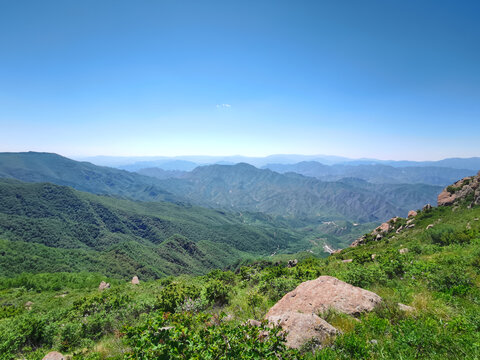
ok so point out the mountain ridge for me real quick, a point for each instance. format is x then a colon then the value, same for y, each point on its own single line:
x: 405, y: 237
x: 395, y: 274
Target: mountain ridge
x: 238, y: 187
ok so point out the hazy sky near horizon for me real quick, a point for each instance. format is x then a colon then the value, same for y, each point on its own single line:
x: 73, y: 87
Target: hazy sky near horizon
x: 380, y: 79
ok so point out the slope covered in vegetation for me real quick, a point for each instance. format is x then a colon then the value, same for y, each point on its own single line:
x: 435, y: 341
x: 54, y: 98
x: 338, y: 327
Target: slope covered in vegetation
x: 437, y: 273
x: 50, y: 228
x: 244, y: 187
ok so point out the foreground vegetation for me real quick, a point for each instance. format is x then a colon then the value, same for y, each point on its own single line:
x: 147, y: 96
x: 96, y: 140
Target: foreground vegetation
x: 204, y: 316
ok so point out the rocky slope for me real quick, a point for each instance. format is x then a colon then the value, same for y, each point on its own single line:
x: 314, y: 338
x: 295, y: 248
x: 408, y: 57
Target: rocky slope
x: 467, y: 189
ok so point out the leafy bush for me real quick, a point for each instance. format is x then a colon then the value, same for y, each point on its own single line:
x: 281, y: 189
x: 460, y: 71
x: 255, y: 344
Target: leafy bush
x: 174, y: 294
x: 362, y: 257
x: 275, y: 289
x: 363, y: 276
x: 187, y: 336
x: 394, y: 264
x: 444, y: 235
x: 25, y: 330
x: 217, y: 292
x: 452, y: 280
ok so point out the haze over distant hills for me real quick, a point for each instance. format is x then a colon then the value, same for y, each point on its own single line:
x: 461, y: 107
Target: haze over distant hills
x: 376, y: 173
x: 234, y: 187
x: 244, y: 187
x: 189, y: 162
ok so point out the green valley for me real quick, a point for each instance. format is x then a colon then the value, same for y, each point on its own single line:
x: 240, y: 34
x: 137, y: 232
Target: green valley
x: 48, y: 228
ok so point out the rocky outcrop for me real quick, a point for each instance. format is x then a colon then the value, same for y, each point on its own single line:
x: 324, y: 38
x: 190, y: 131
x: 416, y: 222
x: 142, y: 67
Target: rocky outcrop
x: 379, y: 232
x: 427, y: 207
x: 467, y: 189
x: 253, y: 322
x: 298, y: 311
x: 103, y: 286
x: 406, y: 308
x: 28, y: 305
x: 292, y: 263
x: 412, y: 214
x: 54, y: 355
x: 446, y: 198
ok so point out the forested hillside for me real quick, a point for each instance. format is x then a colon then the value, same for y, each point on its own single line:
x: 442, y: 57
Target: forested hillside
x: 245, y: 187
x: 49, y: 228
x: 83, y: 176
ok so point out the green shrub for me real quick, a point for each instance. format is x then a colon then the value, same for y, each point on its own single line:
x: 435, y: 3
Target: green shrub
x: 453, y: 189
x: 452, y: 280
x: 187, y: 336
x: 174, y: 295
x: 276, y: 288
x: 364, y: 276
x: 444, y: 235
x: 227, y: 277
x: 394, y: 264
x: 217, y: 292
x: 362, y: 257
x: 22, y: 331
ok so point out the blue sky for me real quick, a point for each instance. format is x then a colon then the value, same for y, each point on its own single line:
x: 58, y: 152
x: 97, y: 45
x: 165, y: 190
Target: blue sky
x: 383, y: 79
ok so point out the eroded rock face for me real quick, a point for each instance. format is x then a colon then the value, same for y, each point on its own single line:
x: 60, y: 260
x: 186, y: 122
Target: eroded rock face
x: 54, y: 355
x: 302, y: 327
x: 319, y: 295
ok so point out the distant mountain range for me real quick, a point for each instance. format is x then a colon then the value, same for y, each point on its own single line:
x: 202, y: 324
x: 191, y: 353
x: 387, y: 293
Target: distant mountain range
x: 376, y: 173
x: 240, y: 187
x: 188, y: 163
x: 244, y: 187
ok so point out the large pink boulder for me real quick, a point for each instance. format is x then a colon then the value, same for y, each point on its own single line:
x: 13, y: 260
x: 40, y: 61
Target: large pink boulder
x: 299, y: 311
x: 54, y: 355
x: 326, y: 292
x: 385, y: 227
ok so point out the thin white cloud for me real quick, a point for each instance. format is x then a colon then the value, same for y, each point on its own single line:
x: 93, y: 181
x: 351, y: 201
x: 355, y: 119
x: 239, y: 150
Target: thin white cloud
x: 223, y: 106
